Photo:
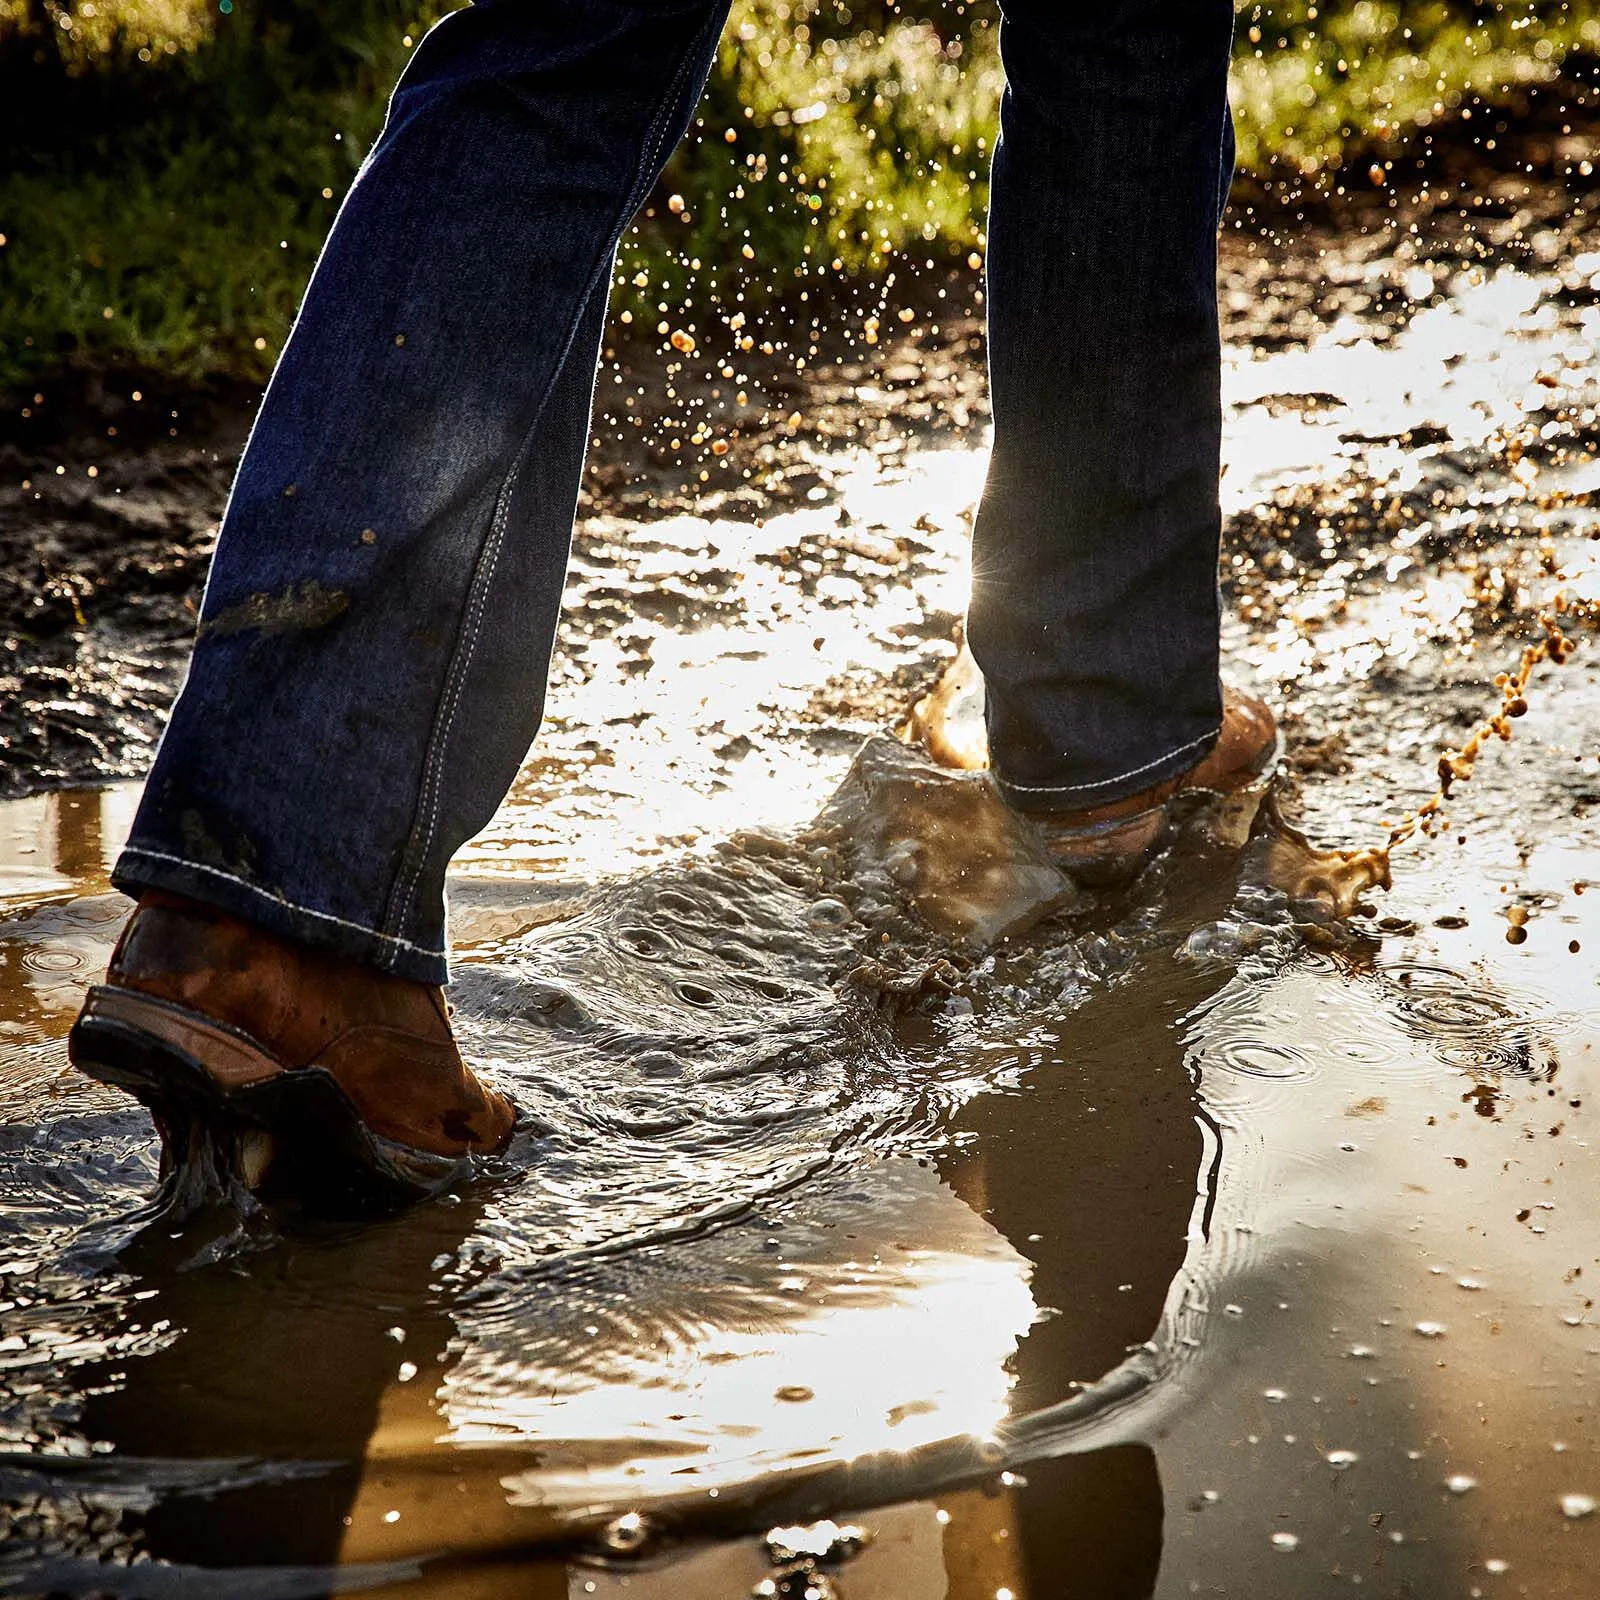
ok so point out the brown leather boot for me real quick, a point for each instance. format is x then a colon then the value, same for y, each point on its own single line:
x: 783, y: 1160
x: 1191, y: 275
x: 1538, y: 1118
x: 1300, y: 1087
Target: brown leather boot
x: 1104, y: 845
x: 288, y: 1056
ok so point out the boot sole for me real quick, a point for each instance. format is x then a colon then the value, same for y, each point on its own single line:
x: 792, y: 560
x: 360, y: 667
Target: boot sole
x: 244, y: 1122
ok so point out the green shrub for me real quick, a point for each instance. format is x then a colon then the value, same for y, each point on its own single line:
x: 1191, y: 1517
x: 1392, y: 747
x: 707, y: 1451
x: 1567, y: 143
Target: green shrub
x: 1373, y: 72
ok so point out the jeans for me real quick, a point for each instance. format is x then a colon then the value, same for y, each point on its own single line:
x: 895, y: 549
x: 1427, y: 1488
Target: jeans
x: 378, y: 621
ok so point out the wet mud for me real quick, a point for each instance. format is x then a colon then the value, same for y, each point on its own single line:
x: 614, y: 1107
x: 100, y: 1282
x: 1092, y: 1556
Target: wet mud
x: 112, y: 484
x: 892, y: 1220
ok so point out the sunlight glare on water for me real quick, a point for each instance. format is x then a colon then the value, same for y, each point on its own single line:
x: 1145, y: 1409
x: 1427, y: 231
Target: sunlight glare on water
x: 885, y: 1350
x: 1285, y: 1225
x: 746, y: 718
x: 1469, y: 365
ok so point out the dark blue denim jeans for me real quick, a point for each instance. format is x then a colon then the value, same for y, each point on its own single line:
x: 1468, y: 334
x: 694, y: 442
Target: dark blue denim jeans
x: 369, y: 670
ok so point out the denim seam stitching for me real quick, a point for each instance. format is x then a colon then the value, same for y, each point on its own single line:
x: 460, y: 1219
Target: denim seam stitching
x: 1106, y: 783
x: 489, y: 556
x: 139, y: 852
x: 488, y: 560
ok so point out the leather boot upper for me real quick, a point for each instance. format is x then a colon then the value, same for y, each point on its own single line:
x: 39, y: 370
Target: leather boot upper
x: 387, y: 1041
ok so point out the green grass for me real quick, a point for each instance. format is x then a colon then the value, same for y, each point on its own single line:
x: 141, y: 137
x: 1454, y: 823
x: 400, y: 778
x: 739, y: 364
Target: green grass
x: 170, y: 182
x: 172, y: 167
x: 1309, y: 95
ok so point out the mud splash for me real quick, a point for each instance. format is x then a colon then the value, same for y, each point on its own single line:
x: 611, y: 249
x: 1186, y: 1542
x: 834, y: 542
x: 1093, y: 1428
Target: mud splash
x: 1332, y: 883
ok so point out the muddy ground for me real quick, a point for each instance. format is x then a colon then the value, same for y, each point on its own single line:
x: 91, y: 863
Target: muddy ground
x: 1192, y: 1242
x: 112, y: 485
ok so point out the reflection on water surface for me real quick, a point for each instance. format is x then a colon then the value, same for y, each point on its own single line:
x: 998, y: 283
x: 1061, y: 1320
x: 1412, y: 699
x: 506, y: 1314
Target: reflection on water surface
x: 1173, y: 1248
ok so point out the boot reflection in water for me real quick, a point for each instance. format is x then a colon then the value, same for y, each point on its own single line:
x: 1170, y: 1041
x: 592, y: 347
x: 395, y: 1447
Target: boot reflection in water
x: 392, y: 556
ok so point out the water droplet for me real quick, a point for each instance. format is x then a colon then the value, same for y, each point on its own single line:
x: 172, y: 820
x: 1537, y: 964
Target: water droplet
x: 626, y: 1534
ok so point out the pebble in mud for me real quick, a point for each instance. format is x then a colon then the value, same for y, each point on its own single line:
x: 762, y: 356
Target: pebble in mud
x: 828, y: 913
x: 1575, y: 1507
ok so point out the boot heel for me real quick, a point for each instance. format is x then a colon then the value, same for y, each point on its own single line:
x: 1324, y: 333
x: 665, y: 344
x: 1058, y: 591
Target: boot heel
x: 269, y: 1130
x: 210, y: 1156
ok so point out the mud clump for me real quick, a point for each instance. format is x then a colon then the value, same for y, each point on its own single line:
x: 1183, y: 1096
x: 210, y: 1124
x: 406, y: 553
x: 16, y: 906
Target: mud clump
x: 1457, y: 766
x: 302, y: 607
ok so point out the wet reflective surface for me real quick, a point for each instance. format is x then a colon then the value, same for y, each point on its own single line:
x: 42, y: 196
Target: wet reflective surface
x: 1182, y: 1243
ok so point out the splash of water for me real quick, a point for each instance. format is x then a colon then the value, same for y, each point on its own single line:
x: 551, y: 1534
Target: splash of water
x: 1457, y: 766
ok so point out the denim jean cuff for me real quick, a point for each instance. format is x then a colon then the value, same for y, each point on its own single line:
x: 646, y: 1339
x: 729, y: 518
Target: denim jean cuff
x: 1031, y: 797
x: 138, y: 868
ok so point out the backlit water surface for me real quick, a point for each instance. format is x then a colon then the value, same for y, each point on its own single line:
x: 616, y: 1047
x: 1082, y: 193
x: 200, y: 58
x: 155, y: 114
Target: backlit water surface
x: 1182, y: 1247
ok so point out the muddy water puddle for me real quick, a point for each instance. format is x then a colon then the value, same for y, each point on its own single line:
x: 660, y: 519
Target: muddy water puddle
x: 1165, y: 1257
x: 1183, y: 1245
